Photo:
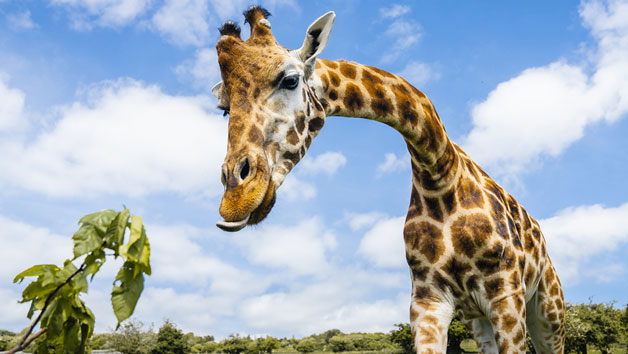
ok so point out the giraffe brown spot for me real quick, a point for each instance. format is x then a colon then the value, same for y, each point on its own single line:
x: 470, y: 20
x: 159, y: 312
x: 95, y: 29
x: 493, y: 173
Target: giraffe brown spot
x: 433, y: 208
x: 431, y: 319
x: 300, y: 122
x: 518, y: 304
x: 471, y: 169
x: 348, y: 70
x: 292, y: 156
x: 472, y: 283
x: 331, y: 64
x: 525, y: 218
x: 494, y: 287
x: 416, y: 206
x: 420, y: 273
x: 425, y: 178
x: 334, y: 79
x: 353, y: 98
x: 457, y: 269
x: 508, y: 259
x: 325, y: 82
x: 427, y: 335
x: 414, y: 314
x: 509, y: 322
x: 519, y: 337
x: 292, y: 137
x: 256, y: 93
x: 441, y: 282
x: 426, y: 238
x: 255, y: 136
x: 315, y: 124
x: 333, y: 95
x: 515, y: 280
x: 380, y: 71
x: 382, y: 107
x: 370, y: 78
x: 308, y: 141
x: 551, y: 316
x: 469, y: 195
x: 529, y: 276
x: 422, y: 292
x: 449, y: 200
x: 469, y: 232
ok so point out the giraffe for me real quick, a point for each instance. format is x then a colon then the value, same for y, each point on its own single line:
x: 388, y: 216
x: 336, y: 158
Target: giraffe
x: 472, y: 249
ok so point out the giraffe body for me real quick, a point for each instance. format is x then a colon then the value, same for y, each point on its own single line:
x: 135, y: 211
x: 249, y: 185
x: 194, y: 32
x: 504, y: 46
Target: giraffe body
x: 472, y: 249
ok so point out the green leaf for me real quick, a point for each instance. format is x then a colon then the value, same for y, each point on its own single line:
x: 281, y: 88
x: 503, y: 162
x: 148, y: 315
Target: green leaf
x: 100, y: 220
x: 124, y: 297
x: 93, y: 262
x: 34, y: 271
x: 138, y: 248
x: 86, y: 240
x: 114, y: 236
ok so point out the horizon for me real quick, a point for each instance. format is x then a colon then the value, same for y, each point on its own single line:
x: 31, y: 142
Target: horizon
x: 105, y: 104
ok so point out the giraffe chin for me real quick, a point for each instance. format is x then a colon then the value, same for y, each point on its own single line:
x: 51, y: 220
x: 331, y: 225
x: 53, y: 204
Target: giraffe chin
x: 256, y: 216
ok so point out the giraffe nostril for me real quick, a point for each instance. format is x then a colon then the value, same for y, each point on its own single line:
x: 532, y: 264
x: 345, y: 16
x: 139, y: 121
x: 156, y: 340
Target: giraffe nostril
x: 245, y: 170
x: 223, y: 177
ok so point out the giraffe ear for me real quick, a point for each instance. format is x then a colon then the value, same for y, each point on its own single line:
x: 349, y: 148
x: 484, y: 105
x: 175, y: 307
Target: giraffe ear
x: 315, y: 41
x: 216, y: 90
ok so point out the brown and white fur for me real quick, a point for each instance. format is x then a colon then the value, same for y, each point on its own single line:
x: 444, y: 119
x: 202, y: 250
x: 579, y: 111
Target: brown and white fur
x: 472, y: 249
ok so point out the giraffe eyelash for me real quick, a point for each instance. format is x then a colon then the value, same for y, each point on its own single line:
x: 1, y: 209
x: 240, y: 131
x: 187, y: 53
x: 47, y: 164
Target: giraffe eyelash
x: 225, y: 111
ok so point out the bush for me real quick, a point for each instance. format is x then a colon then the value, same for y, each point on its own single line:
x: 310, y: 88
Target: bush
x: 170, y: 340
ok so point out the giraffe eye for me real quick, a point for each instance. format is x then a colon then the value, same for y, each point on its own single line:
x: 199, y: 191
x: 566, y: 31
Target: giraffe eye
x: 290, y: 82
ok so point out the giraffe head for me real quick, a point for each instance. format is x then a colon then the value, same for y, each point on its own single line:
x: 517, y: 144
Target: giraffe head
x: 273, y: 112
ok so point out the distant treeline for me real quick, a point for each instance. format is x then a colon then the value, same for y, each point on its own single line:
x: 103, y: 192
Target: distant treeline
x: 590, y: 327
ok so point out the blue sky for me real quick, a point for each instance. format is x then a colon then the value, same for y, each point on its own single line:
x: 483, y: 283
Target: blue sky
x: 105, y: 103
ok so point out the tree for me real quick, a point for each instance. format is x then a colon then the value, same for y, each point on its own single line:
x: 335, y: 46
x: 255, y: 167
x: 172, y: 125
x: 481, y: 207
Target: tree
x: 263, y: 345
x: 66, y: 323
x: 340, y: 343
x: 593, y: 324
x: 456, y: 333
x: 234, y: 344
x: 306, y: 345
x: 402, y: 336
x: 130, y: 338
x: 170, y: 340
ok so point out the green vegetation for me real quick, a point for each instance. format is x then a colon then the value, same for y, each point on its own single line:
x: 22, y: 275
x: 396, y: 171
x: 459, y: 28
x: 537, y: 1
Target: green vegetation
x: 65, y: 323
x: 591, y: 329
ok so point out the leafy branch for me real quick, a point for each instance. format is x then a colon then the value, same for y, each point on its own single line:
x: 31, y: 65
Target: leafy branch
x: 66, y: 323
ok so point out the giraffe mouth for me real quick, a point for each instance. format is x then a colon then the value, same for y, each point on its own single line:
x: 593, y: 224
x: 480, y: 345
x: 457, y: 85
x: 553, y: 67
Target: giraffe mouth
x: 233, y: 226
x: 256, y: 216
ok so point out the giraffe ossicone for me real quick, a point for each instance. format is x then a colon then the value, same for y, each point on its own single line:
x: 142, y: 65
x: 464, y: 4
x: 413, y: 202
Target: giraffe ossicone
x: 472, y: 249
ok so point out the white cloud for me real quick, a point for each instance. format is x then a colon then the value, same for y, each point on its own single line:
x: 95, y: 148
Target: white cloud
x: 406, y: 33
x: 338, y: 302
x: 327, y: 163
x: 203, y: 71
x: 183, y: 22
x: 383, y: 244
x: 295, y: 189
x: 21, y: 243
x: 107, y: 13
x: 418, y: 73
x: 575, y: 235
x: 544, y: 110
x: 11, y: 107
x: 301, y: 249
x: 21, y: 21
x: 23, y: 246
x: 128, y: 139
x: 393, y: 163
x: 359, y: 221
x: 13, y: 314
x: 394, y: 11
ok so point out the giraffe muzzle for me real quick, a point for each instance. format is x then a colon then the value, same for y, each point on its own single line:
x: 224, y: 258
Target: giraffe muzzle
x: 232, y: 226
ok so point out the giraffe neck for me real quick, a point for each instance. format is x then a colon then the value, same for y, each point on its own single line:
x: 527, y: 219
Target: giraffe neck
x: 356, y: 90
